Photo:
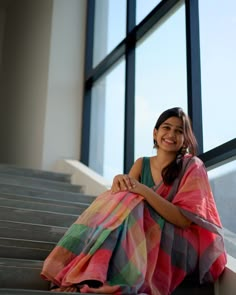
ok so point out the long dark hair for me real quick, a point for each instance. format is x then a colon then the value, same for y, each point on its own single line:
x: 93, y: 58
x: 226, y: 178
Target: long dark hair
x: 171, y: 171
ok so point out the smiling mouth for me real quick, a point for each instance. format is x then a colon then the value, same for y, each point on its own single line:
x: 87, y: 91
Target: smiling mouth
x: 169, y: 141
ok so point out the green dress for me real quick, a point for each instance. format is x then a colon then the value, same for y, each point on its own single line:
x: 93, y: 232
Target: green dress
x: 146, y: 174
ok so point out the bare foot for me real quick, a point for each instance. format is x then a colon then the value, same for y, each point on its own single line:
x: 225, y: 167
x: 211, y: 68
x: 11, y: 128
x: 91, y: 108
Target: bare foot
x: 70, y: 289
x: 105, y: 289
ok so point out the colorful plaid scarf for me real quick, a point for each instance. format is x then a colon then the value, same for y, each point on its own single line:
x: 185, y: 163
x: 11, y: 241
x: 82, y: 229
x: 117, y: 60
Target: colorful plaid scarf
x: 121, y: 240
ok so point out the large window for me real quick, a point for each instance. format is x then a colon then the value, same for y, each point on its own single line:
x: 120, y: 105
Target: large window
x: 107, y: 123
x: 160, y: 62
x: 109, y: 28
x: 144, y: 7
x: 223, y: 183
x: 145, y: 56
x: 218, y: 63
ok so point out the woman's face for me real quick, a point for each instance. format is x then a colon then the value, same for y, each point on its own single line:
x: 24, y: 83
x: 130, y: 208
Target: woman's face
x: 169, y: 135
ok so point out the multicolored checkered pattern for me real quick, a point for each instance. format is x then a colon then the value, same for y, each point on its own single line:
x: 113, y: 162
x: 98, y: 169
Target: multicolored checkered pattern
x: 121, y: 240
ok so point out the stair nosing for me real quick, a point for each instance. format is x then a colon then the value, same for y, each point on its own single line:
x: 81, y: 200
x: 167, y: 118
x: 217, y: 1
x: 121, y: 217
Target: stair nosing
x: 34, y: 210
x: 33, y: 199
x: 36, y: 224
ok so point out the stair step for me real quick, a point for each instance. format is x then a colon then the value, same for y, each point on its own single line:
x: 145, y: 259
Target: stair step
x: 42, y: 204
x: 28, y: 172
x: 35, y: 292
x: 27, y: 231
x: 43, y: 193
x: 37, y: 217
x: 21, y: 274
x: 22, y: 277
x: 24, y: 249
x: 192, y: 291
x: 25, y: 275
x: 36, y: 208
x: 38, y: 183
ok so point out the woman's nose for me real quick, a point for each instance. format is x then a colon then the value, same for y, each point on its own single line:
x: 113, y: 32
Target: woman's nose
x: 171, y: 134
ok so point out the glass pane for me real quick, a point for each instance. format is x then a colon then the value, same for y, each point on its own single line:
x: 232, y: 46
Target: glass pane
x: 107, y: 123
x: 143, y: 7
x: 109, y: 27
x: 223, y: 183
x: 218, y: 63
x: 161, y: 78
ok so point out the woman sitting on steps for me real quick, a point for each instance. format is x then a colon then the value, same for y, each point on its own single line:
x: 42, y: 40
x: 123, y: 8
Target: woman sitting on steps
x: 156, y: 225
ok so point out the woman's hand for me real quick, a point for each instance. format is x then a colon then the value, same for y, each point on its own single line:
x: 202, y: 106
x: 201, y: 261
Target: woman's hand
x: 122, y: 182
x: 137, y: 187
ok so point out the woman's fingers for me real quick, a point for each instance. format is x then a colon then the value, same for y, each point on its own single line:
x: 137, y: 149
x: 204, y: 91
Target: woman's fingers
x: 127, y: 181
x: 122, y: 182
x: 118, y: 184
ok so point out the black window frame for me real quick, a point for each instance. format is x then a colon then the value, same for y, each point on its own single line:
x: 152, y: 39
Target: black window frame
x: 126, y: 48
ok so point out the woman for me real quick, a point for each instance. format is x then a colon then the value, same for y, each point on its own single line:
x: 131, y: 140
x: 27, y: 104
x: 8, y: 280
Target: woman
x: 156, y: 225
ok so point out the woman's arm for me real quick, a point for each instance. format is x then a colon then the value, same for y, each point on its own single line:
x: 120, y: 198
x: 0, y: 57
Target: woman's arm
x: 166, y: 209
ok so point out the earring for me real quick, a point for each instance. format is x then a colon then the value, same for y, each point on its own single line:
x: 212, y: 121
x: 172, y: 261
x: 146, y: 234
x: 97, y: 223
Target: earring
x: 155, y: 144
x: 183, y: 150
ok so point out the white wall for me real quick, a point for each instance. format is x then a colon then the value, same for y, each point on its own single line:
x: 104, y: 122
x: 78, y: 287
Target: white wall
x: 25, y: 75
x: 65, y: 82
x: 42, y: 81
x: 2, y: 27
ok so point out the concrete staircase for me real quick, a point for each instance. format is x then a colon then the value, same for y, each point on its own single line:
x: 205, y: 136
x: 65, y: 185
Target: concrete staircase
x: 36, y: 208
